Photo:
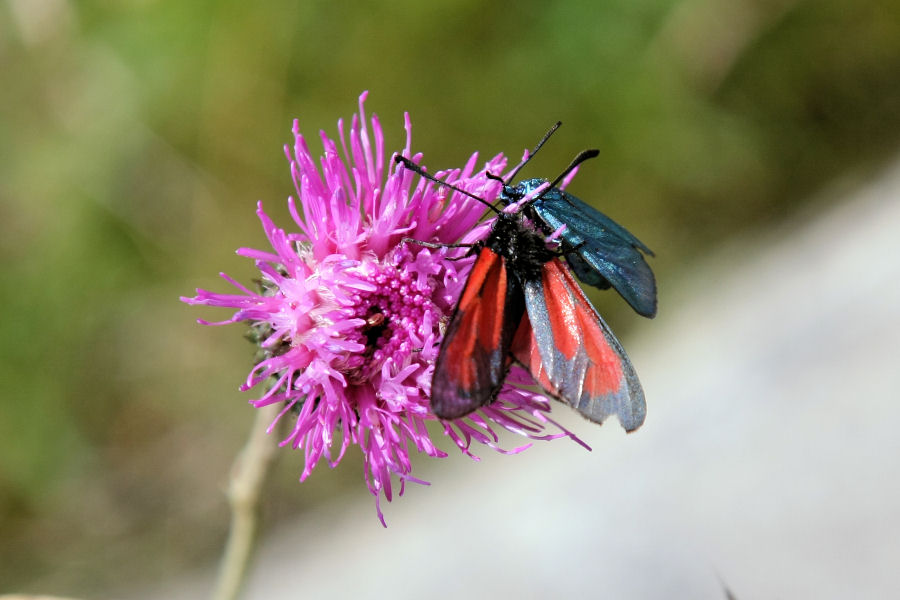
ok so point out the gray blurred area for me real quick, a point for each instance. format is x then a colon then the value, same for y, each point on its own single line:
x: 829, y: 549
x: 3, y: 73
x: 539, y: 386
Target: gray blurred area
x: 768, y: 464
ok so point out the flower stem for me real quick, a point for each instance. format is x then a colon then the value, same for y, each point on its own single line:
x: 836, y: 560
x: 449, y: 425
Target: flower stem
x: 248, y: 473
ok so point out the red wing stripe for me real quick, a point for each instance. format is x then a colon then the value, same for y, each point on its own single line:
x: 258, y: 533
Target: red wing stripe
x: 579, y: 356
x: 474, y: 356
x: 525, y: 350
x: 576, y: 330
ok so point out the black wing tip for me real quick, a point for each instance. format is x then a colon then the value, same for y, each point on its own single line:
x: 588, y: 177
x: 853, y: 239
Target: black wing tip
x: 629, y: 422
x: 451, y: 416
x: 644, y: 304
x: 632, y: 422
x: 631, y: 428
x: 454, y: 408
x: 461, y: 402
x: 647, y: 311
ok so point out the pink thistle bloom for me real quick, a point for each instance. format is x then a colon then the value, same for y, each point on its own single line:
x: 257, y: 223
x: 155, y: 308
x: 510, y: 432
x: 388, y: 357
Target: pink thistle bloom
x: 349, y: 317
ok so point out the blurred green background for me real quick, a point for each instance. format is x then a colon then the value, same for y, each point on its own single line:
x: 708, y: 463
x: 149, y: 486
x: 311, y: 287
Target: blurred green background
x: 136, y: 137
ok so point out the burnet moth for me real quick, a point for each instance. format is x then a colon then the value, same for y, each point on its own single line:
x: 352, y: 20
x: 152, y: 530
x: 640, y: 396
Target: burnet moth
x: 521, y: 304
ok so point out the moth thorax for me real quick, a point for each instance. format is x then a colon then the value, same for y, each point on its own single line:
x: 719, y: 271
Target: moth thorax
x: 524, y: 249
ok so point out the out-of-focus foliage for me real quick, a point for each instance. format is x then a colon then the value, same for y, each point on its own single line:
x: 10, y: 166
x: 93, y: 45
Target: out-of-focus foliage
x: 136, y: 137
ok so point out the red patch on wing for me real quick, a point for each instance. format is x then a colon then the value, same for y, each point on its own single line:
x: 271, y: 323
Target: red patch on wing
x: 578, y: 357
x: 478, y: 319
x: 576, y: 325
x: 572, y: 354
x: 474, y: 356
x: 525, y: 350
x: 564, y: 315
x: 604, y: 376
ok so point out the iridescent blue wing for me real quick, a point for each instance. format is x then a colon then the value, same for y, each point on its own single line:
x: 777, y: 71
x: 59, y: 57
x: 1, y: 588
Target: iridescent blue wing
x: 601, y: 252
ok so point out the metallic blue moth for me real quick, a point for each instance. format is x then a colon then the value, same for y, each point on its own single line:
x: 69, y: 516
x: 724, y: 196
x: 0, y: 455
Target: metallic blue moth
x: 601, y: 252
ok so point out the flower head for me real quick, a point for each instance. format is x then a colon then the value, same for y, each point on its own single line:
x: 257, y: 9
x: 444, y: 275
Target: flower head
x: 349, y: 313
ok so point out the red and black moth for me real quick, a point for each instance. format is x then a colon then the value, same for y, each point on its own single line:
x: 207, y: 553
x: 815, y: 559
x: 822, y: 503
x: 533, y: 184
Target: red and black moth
x: 521, y: 304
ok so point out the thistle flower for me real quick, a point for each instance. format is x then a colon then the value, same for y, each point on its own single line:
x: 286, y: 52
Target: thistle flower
x: 349, y: 316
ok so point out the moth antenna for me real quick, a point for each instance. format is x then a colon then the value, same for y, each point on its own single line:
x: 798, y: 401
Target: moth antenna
x: 408, y: 164
x: 433, y: 245
x: 582, y: 156
x: 531, y: 154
